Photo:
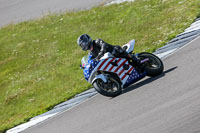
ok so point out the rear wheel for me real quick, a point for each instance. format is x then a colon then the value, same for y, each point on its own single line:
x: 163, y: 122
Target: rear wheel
x: 111, y: 89
x: 154, y: 66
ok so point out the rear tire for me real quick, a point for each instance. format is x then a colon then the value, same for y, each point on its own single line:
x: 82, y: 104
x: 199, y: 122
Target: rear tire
x: 154, y: 66
x: 101, y: 87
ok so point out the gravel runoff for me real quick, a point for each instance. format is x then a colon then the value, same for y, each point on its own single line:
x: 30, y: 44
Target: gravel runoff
x: 172, y: 46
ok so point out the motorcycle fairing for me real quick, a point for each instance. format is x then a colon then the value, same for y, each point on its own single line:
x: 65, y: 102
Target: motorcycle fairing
x: 134, y: 77
x: 127, y: 75
x: 90, y: 67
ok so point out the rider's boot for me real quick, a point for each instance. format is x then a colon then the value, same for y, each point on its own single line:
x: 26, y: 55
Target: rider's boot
x: 137, y: 63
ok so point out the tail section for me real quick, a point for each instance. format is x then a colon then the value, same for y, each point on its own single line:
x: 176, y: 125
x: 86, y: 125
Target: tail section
x: 129, y: 47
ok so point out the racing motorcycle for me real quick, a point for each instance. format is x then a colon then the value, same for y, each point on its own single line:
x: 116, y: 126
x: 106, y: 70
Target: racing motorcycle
x: 110, y: 75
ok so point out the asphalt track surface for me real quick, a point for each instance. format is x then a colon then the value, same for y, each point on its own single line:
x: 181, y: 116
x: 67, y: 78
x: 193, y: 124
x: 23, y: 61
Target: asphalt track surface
x: 13, y: 11
x: 169, y: 103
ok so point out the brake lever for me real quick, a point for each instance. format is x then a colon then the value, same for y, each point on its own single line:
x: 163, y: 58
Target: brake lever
x: 81, y: 67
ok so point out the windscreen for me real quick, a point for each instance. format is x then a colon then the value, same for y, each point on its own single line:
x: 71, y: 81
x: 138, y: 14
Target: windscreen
x: 84, y: 60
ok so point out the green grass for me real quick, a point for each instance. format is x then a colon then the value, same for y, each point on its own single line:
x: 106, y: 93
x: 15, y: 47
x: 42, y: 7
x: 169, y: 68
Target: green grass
x: 39, y: 59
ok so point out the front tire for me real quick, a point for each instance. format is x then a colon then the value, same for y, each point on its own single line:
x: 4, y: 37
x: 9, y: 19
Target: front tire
x: 110, y: 89
x: 154, y: 66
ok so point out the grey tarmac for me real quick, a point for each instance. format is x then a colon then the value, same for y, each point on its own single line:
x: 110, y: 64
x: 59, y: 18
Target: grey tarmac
x: 169, y: 103
x: 13, y: 11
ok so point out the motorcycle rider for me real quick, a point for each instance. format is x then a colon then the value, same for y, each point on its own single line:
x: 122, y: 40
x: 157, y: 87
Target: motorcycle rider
x: 98, y: 48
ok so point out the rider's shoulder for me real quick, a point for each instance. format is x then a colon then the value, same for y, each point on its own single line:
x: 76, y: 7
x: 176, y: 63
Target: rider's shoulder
x: 99, y: 41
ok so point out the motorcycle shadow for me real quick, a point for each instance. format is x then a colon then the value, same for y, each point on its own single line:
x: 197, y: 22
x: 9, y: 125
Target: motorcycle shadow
x: 147, y: 81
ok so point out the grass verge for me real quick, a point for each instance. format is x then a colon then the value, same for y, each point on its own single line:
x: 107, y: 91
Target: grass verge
x: 39, y: 59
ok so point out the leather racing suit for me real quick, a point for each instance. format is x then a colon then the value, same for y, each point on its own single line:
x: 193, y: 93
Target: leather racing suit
x: 100, y: 48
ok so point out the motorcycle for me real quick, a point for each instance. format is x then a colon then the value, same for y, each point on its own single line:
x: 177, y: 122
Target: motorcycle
x: 110, y: 75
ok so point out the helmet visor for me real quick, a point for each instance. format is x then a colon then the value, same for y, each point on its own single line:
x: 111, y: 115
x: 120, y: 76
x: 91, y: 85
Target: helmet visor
x: 85, y: 46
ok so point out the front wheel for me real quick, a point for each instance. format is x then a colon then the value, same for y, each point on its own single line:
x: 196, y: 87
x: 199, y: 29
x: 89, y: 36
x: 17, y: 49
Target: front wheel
x: 111, y: 89
x: 154, y: 66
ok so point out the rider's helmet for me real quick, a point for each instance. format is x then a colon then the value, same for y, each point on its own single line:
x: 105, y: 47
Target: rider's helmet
x: 84, y: 41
